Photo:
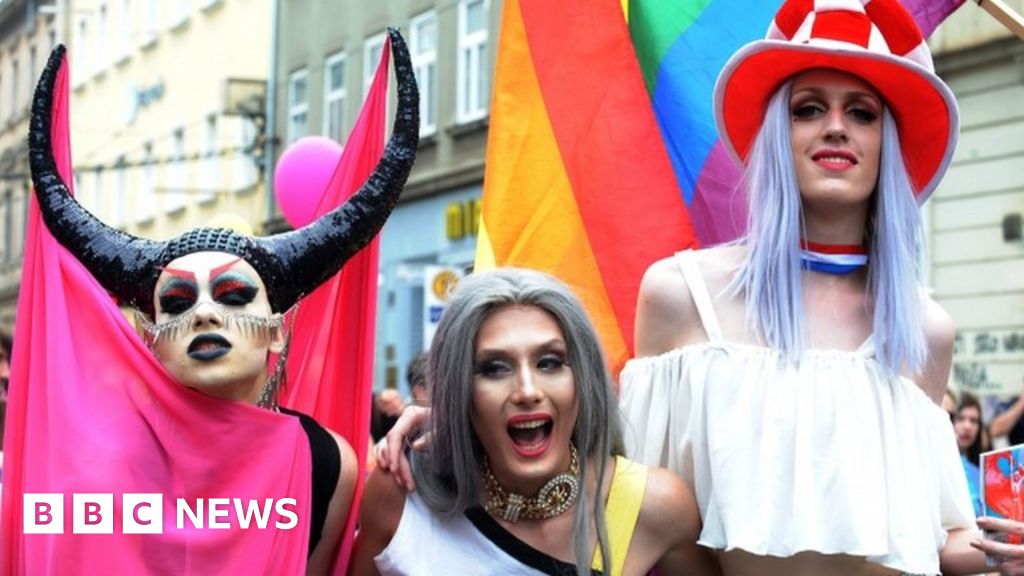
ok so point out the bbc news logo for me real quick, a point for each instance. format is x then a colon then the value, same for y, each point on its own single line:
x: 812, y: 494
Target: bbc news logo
x: 144, y: 513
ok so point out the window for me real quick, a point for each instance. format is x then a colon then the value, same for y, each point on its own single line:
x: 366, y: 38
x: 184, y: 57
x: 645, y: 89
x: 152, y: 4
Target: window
x: 176, y: 175
x: 209, y: 181
x: 423, y: 46
x: 334, y: 98
x: 15, y: 102
x: 21, y: 217
x: 32, y: 65
x: 120, y: 193
x: 472, y: 89
x: 96, y: 190
x: 100, y: 60
x: 124, y: 36
x: 6, y: 225
x: 181, y: 10
x: 152, y: 21
x: 371, y: 57
x: 80, y: 56
x: 246, y: 171
x: 147, y: 183
x: 298, y: 106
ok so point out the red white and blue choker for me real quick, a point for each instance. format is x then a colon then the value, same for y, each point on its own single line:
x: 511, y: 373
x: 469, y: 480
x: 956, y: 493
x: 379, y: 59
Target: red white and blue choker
x: 832, y: 258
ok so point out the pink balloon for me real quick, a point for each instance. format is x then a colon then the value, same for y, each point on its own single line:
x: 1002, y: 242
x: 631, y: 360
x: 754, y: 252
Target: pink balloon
x: 302, y: 175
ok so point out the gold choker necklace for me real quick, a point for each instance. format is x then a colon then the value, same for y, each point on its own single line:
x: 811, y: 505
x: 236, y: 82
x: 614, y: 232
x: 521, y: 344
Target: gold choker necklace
x: 555, y: 497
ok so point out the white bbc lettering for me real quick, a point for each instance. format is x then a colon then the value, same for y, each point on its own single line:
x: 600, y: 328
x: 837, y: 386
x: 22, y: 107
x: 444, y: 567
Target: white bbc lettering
x: 43, y: 513
x: 142, y: 514
x: 92, y: 514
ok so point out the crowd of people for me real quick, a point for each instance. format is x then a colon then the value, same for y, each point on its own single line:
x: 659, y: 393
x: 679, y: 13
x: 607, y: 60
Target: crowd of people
x: 781, y: 415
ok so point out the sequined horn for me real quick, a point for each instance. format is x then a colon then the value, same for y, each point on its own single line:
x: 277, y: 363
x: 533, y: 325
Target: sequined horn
x: 314, y: 253
x: 109, y: 254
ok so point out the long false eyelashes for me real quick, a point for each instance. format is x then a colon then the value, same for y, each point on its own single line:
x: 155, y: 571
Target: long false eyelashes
x: 249, y: 325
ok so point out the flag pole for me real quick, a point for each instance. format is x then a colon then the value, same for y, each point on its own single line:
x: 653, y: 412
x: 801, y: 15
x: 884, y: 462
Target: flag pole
x: 1005, y: 15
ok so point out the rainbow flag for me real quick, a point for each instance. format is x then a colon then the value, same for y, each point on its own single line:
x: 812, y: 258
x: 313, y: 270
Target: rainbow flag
x: 577, y: 181
x: 682, y: 45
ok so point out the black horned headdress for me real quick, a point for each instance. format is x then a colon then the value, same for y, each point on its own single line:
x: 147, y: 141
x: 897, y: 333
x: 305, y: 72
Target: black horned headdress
x: 291, y: 264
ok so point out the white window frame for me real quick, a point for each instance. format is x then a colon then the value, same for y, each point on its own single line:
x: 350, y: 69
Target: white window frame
x: 373, y: 44
x: 147, y: 185
x: 177, y: 177
x: 100, y: 53
x: 424, y: 65
x: 209, y: 173
x: 246, y: 172
x: 472, y: 87
x: 120, y: 192
x: 15, y: 95
x: 298, y: 109
x: 80, y: 54
x: 6, y: 227
x: 151, y: 22
x: 335, y: 97
x: 124, y: 33
x: 182, y: 10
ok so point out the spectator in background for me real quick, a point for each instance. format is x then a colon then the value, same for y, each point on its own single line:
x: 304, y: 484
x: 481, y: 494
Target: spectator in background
x: 1008, y: 421
x: 968, y: 427
x: 387, y: 407
x: 416, y: 376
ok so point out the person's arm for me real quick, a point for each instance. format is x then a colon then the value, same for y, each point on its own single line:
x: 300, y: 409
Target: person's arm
x: 391, y: 457
x: 1003, y: 423
x: 939, y: 332
x: 669, y: 519
x: 322, y: 560
x: 379, y: 516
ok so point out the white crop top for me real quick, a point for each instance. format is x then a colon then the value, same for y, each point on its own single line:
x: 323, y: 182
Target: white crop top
x: 831, y: 456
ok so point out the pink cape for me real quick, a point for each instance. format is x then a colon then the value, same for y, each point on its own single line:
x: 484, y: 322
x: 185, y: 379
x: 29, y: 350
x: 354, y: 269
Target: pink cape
x: 91, y: 411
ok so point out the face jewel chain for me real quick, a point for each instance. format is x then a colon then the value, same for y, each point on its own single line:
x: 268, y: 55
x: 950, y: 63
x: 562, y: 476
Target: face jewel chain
x: 250, y: 325
x: 554, y: 498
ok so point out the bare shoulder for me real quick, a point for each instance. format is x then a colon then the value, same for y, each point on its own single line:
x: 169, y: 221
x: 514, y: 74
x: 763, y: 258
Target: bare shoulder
x: 939, y: 333
x: 664, y: 308
x: 669, y: 511
x: 666, y: 315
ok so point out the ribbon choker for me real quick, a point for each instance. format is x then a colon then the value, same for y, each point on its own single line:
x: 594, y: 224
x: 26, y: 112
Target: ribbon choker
x: 836, y: 259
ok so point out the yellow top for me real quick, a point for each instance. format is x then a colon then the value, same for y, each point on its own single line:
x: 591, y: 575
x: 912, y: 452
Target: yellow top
x: 629, y: 483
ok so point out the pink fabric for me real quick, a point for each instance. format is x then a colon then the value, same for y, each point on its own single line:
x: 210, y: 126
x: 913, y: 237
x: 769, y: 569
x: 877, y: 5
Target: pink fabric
x: 91, y: 410
x: 330, y: 365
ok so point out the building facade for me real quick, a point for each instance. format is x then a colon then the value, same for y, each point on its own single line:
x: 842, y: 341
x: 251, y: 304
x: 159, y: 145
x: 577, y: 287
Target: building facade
x: 323, y: 69
x: 166, y: 110
x: 974, y: 218
x: 28, y: 32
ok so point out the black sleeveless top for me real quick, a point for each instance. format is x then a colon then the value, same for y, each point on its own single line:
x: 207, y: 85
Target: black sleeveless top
x: 326, y: 470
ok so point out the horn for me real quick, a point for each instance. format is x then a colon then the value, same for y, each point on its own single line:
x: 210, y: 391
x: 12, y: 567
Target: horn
x: 312, y: 254
x: 116, y: 259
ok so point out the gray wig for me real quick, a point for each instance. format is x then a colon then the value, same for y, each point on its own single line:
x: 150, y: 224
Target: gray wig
x: 447, y: 477
x: 770, y: 276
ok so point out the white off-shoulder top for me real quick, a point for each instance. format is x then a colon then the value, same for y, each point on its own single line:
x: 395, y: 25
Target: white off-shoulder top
x: 831, y: 455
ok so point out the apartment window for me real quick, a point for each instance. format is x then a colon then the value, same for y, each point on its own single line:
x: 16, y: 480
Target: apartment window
x: 120, y: 192
x: 21, y: 218
x: 80, y: 56
x: 152, y: 21
x: 298, y: 104
x: 334, y: 97
x: 6, y: 225
x: 176, y: 175
x: 147, y: 184
x: 124, y: 36
x: 472, y: 90
x: 245, y: 164
x: 181, y: 10
x: 96, y: 190
x: 32, y: 63
x: 371, y: 57
x: 1, y: 94
x: 100, y: 59
x: 423, y: 46
x: 15, y: 102
x: 209, y: 180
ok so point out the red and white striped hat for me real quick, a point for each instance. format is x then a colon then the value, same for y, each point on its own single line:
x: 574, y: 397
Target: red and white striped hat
x: 876, y: 40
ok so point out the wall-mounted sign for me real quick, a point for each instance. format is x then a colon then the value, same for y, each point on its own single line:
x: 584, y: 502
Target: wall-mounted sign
x: 462, y: 219
x: 438, y: 284
x: 141, y: 97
